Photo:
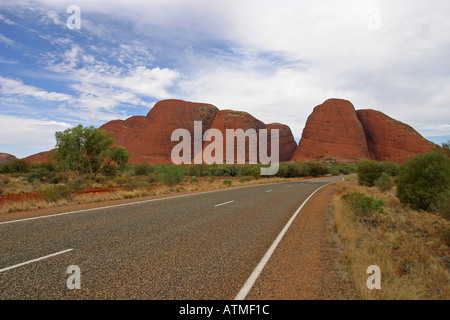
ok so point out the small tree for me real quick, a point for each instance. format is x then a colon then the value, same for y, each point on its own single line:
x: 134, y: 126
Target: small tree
x: 368, y: 172
x: 423, y: 179
x: 87, y: 150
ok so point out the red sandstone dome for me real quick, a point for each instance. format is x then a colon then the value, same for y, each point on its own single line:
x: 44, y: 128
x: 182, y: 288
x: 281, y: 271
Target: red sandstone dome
x: 333, y: 129
x: 389, y: 139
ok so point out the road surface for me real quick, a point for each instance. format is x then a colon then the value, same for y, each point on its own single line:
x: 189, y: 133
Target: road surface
x: 198, y: 246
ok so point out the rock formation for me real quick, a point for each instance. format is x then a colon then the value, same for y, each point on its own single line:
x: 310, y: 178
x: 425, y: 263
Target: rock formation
x: 389, y: 139
x: 333, y: 129
x: 149, y: 138
x: 6, y: 157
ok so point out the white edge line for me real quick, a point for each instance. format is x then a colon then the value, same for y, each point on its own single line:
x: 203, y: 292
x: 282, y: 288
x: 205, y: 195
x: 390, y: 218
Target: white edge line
x: 221, y: 204
x: 257, y: 271
x: 34, y: 260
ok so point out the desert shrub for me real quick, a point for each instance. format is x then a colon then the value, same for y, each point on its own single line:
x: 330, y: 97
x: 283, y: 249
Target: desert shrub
x: 363, y: 205
x: 195, y: 170
x: 384, y: 182
x: 250, y: 170
x: 422, y: 180
x: 40, y: 174
x: 55, y: 193
x: 391, y: 168
x: 297, y: 170
x: 317, y: 169
x: 110, y: 170
x: 442, y: 205
x: 17, y: 166
x: 121, y: 181
x: 283, y: 170
x: 338, y: 170
x: 193, y: 180
x: 142, y: 169
x: 152, y: 178
x: 246, y: 178
x: 368, y: 172
x: 171, y: 174
x: 217, y: 171
x: 227, y: 182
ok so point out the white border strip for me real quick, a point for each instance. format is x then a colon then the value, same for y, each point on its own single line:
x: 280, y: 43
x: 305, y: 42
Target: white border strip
x: 257, y: 271
x: 34, y: 260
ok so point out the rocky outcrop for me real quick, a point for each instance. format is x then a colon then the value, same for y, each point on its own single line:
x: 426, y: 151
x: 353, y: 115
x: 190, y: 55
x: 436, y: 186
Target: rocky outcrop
x: 336, y: 130
x: 233, y: 120
x: 149, y: 138
x: 333, y: 129
x: 389, y: 139
x: 6, y: 157
x: 287, y: 144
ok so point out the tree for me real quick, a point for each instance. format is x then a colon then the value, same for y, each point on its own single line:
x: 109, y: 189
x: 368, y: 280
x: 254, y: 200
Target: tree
x: 87, y: 150
x: 423, y: 179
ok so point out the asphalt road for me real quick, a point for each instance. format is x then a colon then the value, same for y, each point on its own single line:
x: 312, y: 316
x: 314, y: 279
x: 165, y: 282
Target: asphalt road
x: 199, y: 246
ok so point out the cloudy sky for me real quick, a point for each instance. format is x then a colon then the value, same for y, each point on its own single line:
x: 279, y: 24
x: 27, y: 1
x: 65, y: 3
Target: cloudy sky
x: 276, y: 59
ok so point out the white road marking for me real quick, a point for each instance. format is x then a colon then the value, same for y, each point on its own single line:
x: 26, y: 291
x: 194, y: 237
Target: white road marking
x: 34, y: 260
x: 269, y: 191
x: 257, y: 271
x: 221, y: 204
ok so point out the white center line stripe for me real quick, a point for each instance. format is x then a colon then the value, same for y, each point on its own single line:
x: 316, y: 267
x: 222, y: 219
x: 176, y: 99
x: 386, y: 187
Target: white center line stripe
x: 34, y: 260
x: 221, y: 204
x: 269, y: 191
x: 258, y: 269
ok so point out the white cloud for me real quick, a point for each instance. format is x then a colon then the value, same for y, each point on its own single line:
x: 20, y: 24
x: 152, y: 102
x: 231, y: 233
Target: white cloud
x: 274, y: 59
x: 6, y: 40
x: 35, y: 135
x: 15, y: 87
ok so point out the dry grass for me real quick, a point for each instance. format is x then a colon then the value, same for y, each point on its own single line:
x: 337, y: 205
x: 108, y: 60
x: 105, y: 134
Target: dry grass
x: 407, y: 245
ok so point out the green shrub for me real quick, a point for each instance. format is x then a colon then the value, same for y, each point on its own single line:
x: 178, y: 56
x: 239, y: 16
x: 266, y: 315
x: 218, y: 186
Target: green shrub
x: 171, y: 175
x: 384, y: 182
x: 368, y: 172
x: 227, y: 182
x: 153, y: 178
x: 391, y: 168
x: 283, y: 170
x: 121, y: 181
x: 422, y: 180
x: 250, y: 170
x: 363, y: 205
x: 246, y: 178
x: 442, y: 206
x: 110, y: 169
x: 41, y: 174
x: 195, y: 170
x: 317, y: 169
x: 193, y: 180
x: 55, y: 193
x: 142, y: 169
x: 17, y: 166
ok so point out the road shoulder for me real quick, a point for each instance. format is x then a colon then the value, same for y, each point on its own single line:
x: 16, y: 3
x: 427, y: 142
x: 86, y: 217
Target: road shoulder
x: 305, y: 265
